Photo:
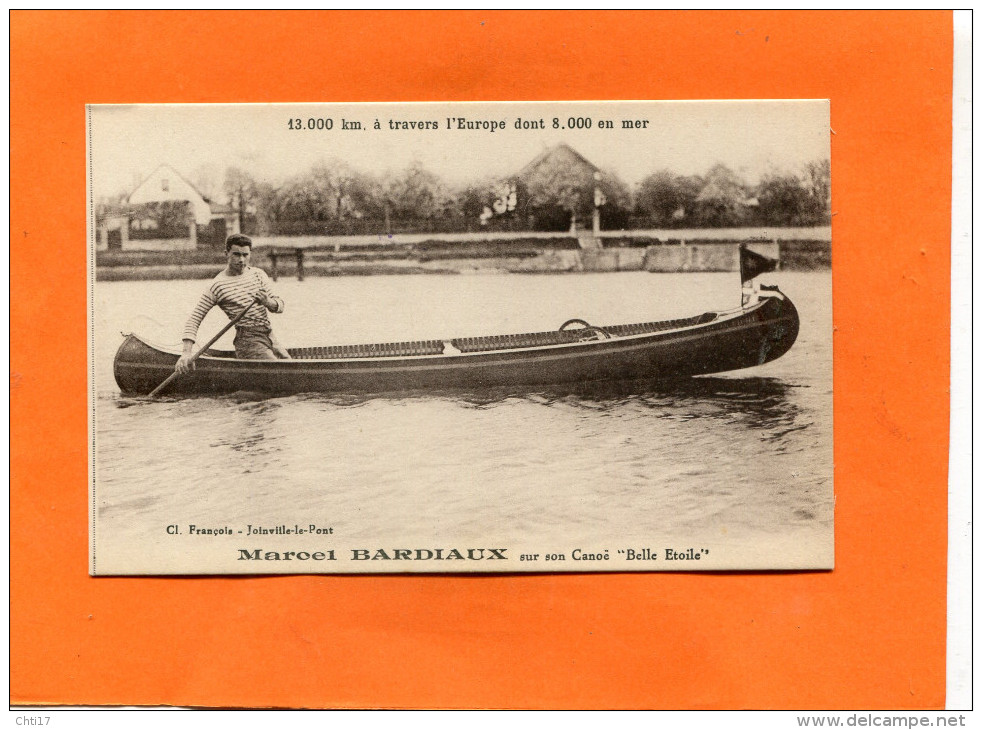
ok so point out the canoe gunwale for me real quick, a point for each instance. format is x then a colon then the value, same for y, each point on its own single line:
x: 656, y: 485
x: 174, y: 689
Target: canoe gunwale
x: 229, y: 355
x: 722, y: 341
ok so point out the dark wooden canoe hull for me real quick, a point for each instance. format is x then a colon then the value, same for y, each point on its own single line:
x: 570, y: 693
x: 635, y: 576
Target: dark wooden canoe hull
x: 718, y: 343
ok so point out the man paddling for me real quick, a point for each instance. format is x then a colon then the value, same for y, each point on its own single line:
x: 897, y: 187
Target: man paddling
x: 234, y: 289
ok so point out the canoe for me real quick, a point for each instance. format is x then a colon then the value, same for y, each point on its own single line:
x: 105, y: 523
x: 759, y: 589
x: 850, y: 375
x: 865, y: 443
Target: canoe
x: 576, y: 352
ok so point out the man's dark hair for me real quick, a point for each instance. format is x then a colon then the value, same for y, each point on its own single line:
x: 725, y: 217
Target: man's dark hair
x: 237, y: 239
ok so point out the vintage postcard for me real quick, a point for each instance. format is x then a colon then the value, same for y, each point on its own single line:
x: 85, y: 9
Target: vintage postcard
x: 460, y: 337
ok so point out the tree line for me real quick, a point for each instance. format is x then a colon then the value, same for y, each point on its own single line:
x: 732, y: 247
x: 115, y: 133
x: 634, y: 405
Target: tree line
x: 333, y: 198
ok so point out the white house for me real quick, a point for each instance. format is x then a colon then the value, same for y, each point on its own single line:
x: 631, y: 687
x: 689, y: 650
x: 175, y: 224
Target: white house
x: 166, y: 183
x: 162, y: 185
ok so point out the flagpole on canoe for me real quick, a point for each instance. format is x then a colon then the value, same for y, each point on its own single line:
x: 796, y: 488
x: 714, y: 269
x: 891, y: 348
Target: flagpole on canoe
x: 203, y: 349
x: 751, y: 265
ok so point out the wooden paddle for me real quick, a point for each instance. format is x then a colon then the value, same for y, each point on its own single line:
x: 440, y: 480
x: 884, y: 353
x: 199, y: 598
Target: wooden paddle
x: 200, y: 352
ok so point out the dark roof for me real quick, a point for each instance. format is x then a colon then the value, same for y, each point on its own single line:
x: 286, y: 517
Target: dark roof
x: 560, y: 153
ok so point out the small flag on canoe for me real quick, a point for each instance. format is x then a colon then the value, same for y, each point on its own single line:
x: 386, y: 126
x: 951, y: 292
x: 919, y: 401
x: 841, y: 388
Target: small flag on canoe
x: 753, y: 264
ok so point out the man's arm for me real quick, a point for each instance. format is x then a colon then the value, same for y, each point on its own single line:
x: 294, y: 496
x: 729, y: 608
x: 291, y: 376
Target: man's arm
x: 265, y: 295
x: 204, y: 305
x: 184, y: 364
x: 274, y: 304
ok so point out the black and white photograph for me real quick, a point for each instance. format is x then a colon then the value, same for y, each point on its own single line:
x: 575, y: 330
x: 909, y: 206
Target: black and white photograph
x: 488, y: 337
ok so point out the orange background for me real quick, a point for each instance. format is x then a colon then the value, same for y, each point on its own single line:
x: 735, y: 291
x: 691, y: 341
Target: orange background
x: 870, y: 634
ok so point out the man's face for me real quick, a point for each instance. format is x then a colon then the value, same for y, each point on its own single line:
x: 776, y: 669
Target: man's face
x: 238, y: 258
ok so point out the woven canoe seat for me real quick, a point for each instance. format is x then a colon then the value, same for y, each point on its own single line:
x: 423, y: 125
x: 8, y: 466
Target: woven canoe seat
x: 511, y: 342
x: 486, y: 344
x: 384, y: 349
x: 624, y: 330
x: 555, y: 337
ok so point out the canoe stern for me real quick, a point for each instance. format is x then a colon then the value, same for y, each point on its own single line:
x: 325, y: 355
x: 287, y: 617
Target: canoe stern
x: 139, y: 367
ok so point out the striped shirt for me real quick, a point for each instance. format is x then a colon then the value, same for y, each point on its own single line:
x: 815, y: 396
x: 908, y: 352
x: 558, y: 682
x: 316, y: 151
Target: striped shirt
x: 233, y: 294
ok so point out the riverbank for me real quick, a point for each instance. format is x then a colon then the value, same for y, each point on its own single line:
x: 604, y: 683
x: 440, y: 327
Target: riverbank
x: 434, y: 256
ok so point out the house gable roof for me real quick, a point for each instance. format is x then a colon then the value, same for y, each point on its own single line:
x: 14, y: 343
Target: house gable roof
x: 168, y: 168
x: 559, y: 154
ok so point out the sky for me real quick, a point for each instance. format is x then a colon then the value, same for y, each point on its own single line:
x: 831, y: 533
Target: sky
x: 200, y: 141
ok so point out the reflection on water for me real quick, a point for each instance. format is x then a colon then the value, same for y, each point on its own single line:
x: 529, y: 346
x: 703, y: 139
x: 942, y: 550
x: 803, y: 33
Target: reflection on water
x: 755, y: 402
x: 743, y: 456
x: 729, y: 393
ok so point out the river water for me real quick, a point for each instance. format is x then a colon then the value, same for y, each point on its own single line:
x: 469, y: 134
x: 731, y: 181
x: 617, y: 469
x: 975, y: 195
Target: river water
x: 737, y: 465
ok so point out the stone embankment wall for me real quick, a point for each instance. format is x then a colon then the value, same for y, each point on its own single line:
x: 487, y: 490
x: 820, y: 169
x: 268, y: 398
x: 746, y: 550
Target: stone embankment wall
x: 608, y: 239
x: 435, y: 257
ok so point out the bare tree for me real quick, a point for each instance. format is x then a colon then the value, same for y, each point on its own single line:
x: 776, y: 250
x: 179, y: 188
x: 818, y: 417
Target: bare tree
x: 818, y: 182
x: 240, y: 191
x: 335, y: 181
x: 415, y: 193
x: 722, y: 200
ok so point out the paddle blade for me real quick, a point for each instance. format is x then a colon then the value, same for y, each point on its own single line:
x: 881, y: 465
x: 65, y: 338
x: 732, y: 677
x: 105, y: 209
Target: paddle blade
x: 155, y: 391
